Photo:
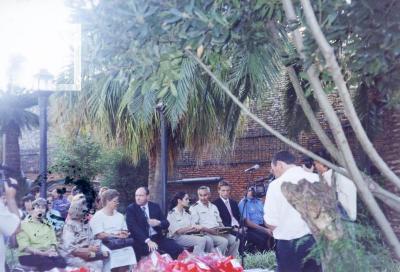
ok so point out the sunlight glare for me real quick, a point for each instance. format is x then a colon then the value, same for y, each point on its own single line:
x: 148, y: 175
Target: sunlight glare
x: 32, y: 30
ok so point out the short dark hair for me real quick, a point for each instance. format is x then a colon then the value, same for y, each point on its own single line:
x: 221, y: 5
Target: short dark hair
x: 308, y: 161
x: 324, y: 154
x: 35, y: 189
x: 174, y: 201
x: 28, y: 197
x: 284, y: 156
x: 223, y: 183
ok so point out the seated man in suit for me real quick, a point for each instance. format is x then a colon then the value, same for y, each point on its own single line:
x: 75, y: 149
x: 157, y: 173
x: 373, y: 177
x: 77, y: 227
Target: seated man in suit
x: 228, y: 208
x: 146, y: 223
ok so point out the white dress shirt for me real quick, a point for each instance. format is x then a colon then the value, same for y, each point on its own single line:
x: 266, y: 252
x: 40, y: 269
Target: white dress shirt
x: 151, y: 229
x: 347, y: 192
x: 234, y: 222
x: 279, y: 212
x: 8, y: 224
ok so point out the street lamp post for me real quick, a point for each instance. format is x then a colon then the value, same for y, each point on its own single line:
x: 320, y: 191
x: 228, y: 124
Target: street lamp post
x: 44, y: 88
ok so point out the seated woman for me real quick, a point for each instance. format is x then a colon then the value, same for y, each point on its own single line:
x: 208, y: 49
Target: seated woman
x: 54, y: 217
x: 181, y: 224
x: 78, y: 245
x: 37, y: 240
x: 106, y: 223
x: 60, y: 202
x: 26, y: 205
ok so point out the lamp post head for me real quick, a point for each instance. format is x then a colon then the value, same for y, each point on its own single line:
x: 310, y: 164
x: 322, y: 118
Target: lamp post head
x: 44, y: 81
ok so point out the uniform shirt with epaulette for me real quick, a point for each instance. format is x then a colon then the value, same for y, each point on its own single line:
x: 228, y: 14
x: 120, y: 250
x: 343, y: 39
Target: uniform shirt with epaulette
x: 178, y: 220
x: 206, y: 215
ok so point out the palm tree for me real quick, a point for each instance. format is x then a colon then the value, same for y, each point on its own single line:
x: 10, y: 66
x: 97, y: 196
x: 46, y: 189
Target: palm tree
x: 14, y: 117
x: 133, y: 65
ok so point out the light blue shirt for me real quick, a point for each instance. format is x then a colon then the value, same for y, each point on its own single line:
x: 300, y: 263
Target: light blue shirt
x: 254, y: 210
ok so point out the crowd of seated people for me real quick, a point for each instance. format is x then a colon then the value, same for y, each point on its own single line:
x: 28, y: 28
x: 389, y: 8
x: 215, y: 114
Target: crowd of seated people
x: 60, y: 232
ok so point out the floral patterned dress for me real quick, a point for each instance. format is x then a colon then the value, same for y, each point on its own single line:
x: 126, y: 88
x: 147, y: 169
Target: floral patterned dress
x: 77, y: 234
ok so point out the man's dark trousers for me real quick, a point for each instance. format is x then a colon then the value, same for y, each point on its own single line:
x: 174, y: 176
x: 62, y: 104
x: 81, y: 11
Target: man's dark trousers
x: 290, y: 255
x: 165, y: 245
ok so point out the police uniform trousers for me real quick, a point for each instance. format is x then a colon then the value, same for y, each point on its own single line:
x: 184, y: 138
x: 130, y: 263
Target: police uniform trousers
x: 200, y: 244
x: 261, y: 240
x: 226, y: 243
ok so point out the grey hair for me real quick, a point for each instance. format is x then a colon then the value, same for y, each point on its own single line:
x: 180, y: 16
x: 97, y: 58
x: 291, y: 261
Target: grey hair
x: 204, y: 188
x: 40, y: 202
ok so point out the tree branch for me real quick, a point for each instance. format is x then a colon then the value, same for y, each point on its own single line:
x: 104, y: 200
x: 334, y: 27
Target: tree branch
x: 341, y: 139
x: 335, y: 71
x: 315, y: 125
x: 247, y: 112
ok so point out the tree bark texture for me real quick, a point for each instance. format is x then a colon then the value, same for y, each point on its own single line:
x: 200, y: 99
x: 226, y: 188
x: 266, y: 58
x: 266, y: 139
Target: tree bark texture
x: 368, y: 199
x: 341, y: 139
x: 11, y: 151
x: 316, y: 202
x: 335, y: 71
x: 154, y: 181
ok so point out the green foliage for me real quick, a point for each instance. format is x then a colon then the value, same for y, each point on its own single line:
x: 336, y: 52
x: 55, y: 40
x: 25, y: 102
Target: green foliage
x: 365, y: 37
x: 78, y: 157
x: 136, y: 54
x: 263, y: 260
x: 360, y: 250
x: 295, y: 119
x: 124, y: 176
x: 14, y: 109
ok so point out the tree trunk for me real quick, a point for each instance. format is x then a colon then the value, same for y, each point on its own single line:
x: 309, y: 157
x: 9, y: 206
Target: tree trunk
x: 11, y: 152
x: 343, y: 144
x: 154, y: 181
x: 341, y: 139
x: 335, y: 71
x: 316, y: 202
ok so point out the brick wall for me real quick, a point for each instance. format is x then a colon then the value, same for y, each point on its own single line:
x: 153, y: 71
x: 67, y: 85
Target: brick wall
x: 388, y: 144
x: 257, y: 146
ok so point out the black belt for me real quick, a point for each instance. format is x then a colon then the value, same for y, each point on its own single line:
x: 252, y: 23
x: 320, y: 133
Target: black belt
x: 308, y: 236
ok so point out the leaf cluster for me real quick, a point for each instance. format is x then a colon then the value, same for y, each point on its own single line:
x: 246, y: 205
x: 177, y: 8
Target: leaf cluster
x: 365, y: 37
x: 15, y: 111
x: 134, y: 59
x: 360, y: 250
x: 80, y: 157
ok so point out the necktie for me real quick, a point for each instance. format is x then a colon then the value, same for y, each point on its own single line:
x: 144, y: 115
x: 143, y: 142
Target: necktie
x: 228, y: 207
x: 145, y: 215
x: 144, y: 211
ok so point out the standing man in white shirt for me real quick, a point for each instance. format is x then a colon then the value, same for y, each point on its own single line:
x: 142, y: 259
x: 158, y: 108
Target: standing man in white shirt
x: 293, y: 237
x: 9, y: 219
x: 346, y: 191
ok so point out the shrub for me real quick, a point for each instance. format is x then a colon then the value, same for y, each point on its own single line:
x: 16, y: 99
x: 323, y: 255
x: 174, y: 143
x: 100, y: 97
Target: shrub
x: 264, y: 260
x: 125, y: 177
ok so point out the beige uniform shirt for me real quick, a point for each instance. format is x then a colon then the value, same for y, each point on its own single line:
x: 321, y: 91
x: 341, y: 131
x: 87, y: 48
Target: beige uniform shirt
x: 347, y: 192
x: 178, y: 220
x: 206, y: 216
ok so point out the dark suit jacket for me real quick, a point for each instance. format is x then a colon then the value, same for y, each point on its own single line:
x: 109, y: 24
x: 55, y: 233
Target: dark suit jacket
x: 224, y: 213
x: 137, y: 222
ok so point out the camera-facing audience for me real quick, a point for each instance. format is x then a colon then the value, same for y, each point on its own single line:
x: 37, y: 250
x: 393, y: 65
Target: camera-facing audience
x: 108, y: 225
x: 207, y: 215
x: 37, y: 240
x: 182, y: 225
x: 110, y: 241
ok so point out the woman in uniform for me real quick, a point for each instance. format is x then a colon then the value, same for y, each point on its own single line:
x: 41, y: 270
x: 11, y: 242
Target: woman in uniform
x: 182, y: 224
